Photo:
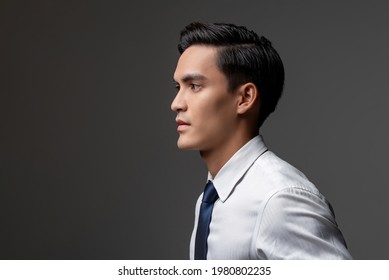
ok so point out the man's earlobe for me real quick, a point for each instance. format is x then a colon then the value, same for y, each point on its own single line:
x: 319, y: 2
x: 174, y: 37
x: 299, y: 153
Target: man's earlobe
x: 248, y: 97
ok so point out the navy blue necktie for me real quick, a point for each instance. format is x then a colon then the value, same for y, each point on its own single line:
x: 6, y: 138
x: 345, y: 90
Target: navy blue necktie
x: 209, y: 198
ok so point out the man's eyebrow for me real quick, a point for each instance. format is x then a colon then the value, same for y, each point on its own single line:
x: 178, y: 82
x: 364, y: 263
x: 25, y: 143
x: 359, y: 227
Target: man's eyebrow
x: 191, y: 77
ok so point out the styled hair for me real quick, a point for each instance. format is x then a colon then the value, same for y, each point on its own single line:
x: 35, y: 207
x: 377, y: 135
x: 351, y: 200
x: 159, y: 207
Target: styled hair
x: 243, y: 57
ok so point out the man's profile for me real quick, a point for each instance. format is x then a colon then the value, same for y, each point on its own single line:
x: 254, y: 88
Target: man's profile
x: 255, y: 205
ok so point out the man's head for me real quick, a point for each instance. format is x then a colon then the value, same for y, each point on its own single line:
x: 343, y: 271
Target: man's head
x: 225, y: 74
x: 243, y: 57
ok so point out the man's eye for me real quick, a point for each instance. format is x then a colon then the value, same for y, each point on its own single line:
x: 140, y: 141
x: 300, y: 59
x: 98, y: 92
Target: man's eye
x: 177, y: 86
x: 195, y: 87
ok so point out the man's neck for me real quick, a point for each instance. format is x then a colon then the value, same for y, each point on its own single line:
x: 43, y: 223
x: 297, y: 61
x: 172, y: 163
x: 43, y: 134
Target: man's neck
x: 217, y: 158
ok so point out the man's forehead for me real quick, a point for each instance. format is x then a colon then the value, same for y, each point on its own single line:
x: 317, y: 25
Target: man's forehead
x: 199, y: 48
x: 196, y: 61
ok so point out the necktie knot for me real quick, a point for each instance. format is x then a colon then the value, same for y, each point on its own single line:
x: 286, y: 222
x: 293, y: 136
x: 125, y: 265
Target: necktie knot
x: 210, y: 194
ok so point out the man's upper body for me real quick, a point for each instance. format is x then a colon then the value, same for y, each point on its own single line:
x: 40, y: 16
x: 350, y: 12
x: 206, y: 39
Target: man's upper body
x: 267, y: 209
x: 228, y: 81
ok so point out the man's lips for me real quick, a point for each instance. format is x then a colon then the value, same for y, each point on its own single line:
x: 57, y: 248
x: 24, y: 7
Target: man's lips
x: 182, y: 125
x: 181, y: 122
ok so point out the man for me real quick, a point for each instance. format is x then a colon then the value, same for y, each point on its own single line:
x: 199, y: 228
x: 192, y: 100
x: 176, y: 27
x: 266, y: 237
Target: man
x: 255, y: 205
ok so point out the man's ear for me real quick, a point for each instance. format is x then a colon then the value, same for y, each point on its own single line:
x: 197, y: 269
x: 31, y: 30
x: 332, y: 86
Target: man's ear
x: 248, y: 97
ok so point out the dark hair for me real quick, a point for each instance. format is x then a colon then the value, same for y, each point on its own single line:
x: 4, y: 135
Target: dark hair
x: 243, y: 57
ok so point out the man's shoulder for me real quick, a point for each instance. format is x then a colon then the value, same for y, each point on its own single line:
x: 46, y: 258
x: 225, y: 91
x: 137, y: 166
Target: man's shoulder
x: 272, y: 173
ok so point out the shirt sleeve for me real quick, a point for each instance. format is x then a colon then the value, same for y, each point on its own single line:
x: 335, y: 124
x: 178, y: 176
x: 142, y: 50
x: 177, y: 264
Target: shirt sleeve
x: 299, y: 224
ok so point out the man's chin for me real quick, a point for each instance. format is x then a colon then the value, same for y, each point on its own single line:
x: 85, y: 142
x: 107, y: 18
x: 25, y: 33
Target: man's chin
x: 184, y: 145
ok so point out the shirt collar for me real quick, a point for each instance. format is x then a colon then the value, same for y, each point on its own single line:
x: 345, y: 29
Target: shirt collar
x: 237, y: 166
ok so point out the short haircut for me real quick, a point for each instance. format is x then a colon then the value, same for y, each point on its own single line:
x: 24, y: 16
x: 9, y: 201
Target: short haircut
x: 243, y: 57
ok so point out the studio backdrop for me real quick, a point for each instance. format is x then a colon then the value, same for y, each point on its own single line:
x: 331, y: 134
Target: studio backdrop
x: 89, y: 167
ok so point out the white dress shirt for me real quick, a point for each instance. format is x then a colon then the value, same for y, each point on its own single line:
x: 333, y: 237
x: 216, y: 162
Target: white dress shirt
x: 267, y: 209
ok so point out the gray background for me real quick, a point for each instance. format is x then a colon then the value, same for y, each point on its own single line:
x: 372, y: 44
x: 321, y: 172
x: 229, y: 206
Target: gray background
x: 89, y: 167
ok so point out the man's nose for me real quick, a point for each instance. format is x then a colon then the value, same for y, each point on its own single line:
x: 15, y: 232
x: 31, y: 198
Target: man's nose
x: 178, y: 103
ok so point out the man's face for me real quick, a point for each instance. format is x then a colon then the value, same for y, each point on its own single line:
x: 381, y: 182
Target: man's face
x: 206, y: 110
